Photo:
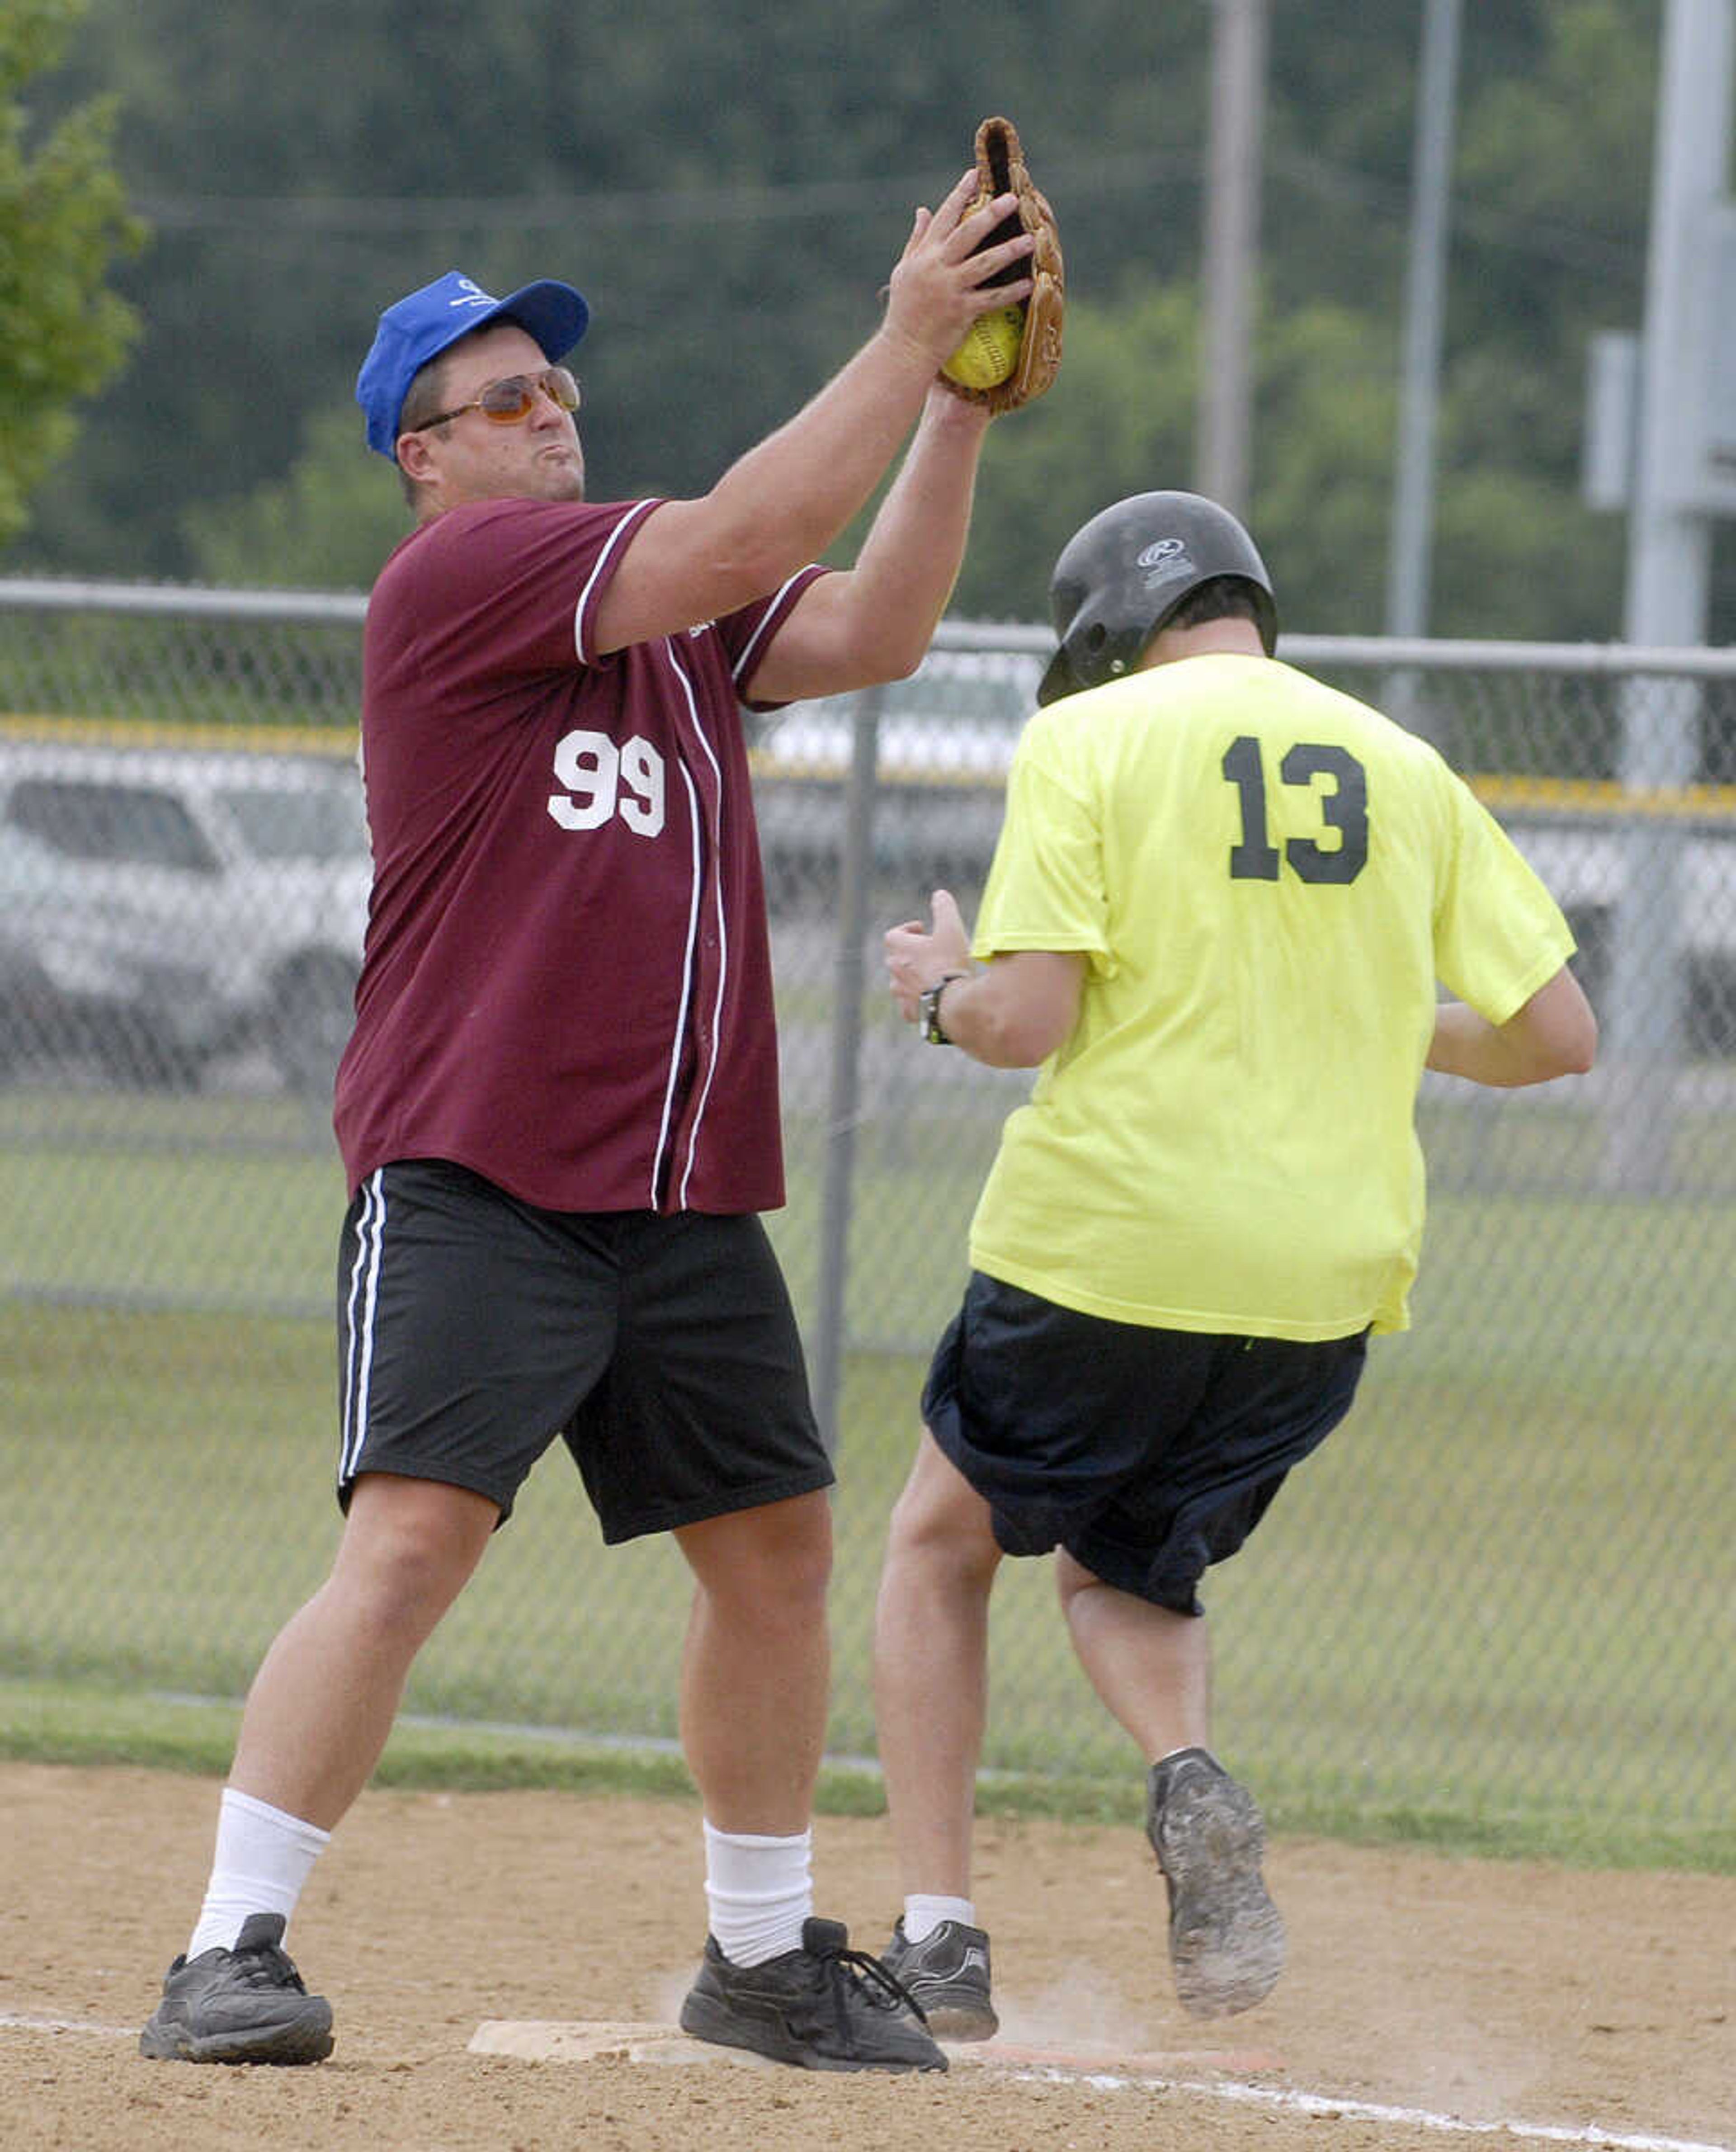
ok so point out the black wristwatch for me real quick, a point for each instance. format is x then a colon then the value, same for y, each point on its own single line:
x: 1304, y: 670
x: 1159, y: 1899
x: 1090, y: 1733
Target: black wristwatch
x: 929, y: 1001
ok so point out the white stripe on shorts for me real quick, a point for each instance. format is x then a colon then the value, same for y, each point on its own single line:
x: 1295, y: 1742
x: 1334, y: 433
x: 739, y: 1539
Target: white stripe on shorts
x: 359, y: 1315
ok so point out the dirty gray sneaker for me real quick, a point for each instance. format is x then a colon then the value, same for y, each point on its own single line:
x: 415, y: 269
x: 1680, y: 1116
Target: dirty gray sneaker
x: 245, y: 2005
x: 946, y: 1975
x: 823, y: 2006
x: 1227, y: 1937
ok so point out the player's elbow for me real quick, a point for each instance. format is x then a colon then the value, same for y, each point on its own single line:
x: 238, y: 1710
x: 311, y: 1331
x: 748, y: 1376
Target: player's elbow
x: 884, y: 656
x: 874, y: 643
x: 844, y: 660
x: 1556, y: 1033
x: 1572, y: 1024
x: 1544, y: 1064
x: 906, y: 647
x: 1579, y: 1052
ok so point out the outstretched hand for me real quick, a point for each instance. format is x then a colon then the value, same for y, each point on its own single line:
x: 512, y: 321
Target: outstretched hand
x: 940, y: 283
x: 917, y: 955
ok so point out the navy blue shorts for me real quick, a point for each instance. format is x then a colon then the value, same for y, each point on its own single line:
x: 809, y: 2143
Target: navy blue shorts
x: 474, y: 1329
x: 1149, y: 1454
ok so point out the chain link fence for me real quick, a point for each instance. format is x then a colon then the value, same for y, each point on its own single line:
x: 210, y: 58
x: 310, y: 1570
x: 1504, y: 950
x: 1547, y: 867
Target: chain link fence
x: 1503, y: 1593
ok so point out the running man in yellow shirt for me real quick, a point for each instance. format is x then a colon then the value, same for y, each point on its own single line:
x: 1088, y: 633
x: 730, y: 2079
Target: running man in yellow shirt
x: 1223, y: 902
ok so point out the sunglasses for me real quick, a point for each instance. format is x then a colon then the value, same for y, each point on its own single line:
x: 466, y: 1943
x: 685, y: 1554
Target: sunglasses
x: 513, y: 397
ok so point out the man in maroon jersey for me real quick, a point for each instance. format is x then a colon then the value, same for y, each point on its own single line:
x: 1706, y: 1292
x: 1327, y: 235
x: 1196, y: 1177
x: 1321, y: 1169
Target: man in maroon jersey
x: 558, y: 1109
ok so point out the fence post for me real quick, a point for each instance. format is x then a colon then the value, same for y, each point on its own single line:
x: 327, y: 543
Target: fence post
x: 1646, y: 1049
x: 856, y: 869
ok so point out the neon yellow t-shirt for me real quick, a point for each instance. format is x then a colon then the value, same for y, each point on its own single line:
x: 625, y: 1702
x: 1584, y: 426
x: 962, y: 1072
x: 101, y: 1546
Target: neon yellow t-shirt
x: 1268, y: 878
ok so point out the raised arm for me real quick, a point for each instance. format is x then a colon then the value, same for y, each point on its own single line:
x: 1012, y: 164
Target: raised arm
x: 876, y: 621
x: 782, y: 503
x: 1554, y: 1034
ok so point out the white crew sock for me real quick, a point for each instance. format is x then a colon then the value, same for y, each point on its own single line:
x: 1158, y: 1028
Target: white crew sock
x: 923, y: 1915
x: 758, y: 1891
x: 263, y: 1858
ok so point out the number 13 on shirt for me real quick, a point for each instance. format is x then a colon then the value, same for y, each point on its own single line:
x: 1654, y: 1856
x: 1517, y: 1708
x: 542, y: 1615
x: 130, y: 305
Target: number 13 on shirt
x: 1344, y: 809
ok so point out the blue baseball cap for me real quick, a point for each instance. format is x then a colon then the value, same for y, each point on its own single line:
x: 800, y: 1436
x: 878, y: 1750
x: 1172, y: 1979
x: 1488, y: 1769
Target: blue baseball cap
x: 420, y: 326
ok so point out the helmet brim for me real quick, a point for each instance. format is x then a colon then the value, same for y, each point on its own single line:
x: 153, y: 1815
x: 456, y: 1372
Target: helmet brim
x: 1058, y: 679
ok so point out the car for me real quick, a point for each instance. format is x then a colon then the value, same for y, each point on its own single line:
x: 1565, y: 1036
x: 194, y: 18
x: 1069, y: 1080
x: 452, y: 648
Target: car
x: 85, y: 979
x: 943, y: 744
x: 165, y: 905
x: 1589, y: 864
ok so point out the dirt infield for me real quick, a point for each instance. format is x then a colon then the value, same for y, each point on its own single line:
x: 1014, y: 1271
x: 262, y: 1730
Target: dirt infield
x: 1423, y: 1996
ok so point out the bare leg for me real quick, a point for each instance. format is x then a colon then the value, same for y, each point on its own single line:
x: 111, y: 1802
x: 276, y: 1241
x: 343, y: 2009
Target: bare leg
x: 1152, y: 1669
x: 1150, y: 1666
x: 931, y: 1670
x: 755, y: 1678
x: 756, y: 1667
x: 325, y: 1696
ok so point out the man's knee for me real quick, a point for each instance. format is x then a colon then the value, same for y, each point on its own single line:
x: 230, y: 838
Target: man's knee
x: 940, y: 1515
x: 410, y: 1546
x: 777, y: 1556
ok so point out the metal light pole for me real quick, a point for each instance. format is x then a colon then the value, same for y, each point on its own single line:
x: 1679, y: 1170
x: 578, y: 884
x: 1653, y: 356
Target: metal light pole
x: 1231, y: 249
x: 1412, y: 544
x: 1669, y: 575
x: 1669, y: 534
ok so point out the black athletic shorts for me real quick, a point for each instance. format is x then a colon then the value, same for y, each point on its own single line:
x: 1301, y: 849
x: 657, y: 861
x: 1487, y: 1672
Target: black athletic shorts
x: 1149, y: 1454
x: 474, y: 1329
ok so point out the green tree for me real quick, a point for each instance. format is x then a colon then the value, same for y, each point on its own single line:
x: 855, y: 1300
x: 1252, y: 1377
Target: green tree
x: 326, y: 525
x: 729, y: 220
x: 63, y: 219
x: 1120, y: 421
x: 1552, y: 184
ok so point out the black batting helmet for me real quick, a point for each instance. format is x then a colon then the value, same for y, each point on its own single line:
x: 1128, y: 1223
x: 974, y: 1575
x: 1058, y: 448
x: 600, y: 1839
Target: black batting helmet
x: 1122, y: 575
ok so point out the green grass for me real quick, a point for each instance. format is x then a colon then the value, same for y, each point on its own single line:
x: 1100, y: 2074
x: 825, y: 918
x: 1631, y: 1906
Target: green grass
x: 180, y: 1202
x: 1495, y: 1612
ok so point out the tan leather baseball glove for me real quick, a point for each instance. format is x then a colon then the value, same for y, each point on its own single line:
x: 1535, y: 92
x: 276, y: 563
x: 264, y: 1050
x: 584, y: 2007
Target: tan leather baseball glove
x: 1001, y: 169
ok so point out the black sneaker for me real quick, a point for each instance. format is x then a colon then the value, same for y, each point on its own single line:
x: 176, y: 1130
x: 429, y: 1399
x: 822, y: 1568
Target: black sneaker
x: 245, y: 2005
x: 946, y: 1976
x: 1227, y: 1937
x: 823, y: 2006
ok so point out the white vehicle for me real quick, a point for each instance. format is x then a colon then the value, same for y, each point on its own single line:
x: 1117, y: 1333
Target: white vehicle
x: 943, y: 744
x: 1587, y: 865
x: 208, y: 901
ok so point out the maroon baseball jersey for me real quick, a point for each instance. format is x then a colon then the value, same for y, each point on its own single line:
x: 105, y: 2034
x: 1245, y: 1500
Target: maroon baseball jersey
x: 567, y: 984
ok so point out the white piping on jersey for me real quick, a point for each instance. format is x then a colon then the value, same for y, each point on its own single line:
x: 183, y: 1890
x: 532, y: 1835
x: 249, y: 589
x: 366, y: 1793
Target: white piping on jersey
x: 717, y: 848
x: 750, y: 656
x: 364, y: 1287
x: 686, y: 979
x: 615, y: 537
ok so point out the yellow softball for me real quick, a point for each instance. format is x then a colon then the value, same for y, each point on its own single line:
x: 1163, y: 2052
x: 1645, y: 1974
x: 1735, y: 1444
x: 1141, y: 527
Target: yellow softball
x: 990, y: 349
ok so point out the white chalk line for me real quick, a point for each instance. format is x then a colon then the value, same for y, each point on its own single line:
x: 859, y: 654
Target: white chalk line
x: 1231, y: 2089
x: 1364, y: 2110
x: 11, y: 2022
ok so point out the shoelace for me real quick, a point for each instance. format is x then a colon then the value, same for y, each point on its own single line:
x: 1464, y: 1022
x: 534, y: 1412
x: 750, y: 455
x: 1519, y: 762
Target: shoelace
x: 861, y: 1969
x: 264, y: 1965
